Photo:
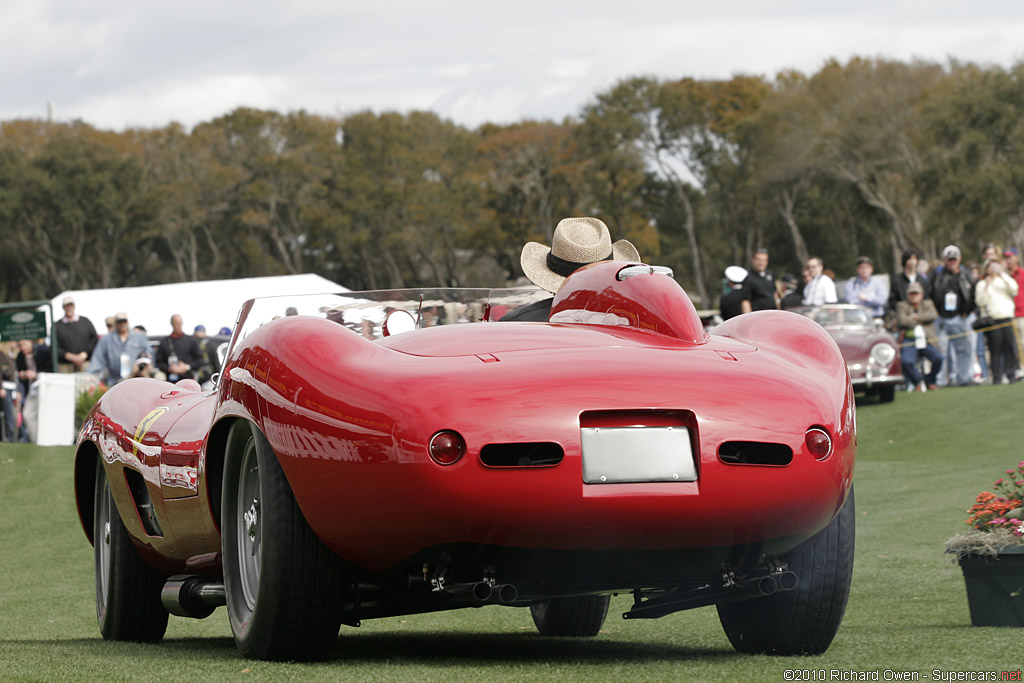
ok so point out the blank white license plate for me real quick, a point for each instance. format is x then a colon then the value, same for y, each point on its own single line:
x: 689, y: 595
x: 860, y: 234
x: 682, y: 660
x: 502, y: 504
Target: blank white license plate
x: 614, y: 455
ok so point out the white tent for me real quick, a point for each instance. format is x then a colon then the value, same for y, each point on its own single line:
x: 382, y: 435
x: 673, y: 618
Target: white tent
x: 213, y: 303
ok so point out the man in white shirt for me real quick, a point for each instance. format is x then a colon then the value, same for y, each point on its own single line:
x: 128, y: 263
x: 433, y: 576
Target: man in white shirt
x: 821, y: 289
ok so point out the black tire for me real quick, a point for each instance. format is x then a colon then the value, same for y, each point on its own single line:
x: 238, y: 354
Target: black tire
x: 803, y: 620
x: 128, y: 603
x: 284, y: 587
x: 579, y: 617
x: 886, y: 393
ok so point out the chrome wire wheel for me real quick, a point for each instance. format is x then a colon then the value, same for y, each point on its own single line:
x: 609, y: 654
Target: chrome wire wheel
x: 248, y: 520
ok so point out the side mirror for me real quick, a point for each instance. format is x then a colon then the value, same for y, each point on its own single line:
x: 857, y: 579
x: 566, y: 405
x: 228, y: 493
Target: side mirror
x: 398, y: 322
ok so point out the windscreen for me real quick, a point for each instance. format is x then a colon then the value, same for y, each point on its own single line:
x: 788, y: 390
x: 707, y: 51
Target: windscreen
x: 364, y: 312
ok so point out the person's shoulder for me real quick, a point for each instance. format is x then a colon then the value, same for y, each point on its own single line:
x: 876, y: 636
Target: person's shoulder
x: 537, y: 311
x: 738, y: 293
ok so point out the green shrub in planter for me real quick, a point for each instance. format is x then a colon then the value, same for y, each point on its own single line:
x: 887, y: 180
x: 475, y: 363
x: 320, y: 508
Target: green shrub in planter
x: 85, y: 401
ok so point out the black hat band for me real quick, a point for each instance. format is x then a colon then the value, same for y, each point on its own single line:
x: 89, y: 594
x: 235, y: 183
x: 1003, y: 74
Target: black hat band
x: 566, y: 268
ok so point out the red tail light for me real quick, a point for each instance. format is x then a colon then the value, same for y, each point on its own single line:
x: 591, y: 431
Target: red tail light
x: 819, y: 443
x: 447, y: 447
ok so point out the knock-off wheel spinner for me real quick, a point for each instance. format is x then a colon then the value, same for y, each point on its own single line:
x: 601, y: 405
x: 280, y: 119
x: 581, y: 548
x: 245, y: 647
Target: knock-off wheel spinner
x: 252, y: 522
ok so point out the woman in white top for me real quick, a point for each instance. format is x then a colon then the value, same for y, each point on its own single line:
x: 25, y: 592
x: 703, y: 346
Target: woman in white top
x: 994, y: 297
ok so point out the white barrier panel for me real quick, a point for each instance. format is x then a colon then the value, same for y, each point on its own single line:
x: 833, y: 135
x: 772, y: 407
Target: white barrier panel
x: 56, y: 409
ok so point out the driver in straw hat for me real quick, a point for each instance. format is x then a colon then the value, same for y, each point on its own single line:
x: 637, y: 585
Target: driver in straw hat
x: 575, y: 243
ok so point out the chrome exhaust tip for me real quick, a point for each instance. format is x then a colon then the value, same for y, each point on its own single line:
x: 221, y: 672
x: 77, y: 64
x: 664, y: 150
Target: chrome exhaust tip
x: 191, y: 596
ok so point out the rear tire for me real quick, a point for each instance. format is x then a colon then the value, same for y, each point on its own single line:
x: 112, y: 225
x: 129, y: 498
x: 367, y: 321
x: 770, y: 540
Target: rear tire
x: 578, y: 617
x: 284, y: 588
x: 128, y: 603
x: 805, y: 619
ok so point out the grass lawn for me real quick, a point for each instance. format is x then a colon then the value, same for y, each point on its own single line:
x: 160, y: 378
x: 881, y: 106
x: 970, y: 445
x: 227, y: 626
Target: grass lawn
x: 921, y: 461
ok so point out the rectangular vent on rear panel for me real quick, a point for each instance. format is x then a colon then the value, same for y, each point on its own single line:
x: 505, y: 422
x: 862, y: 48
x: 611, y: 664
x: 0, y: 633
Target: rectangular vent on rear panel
x: 755, y: 453
x: 521, y: 454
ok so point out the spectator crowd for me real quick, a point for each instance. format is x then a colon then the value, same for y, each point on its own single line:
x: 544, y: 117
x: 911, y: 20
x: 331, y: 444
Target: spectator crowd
x: 121, y: 353
x: 966, y: 320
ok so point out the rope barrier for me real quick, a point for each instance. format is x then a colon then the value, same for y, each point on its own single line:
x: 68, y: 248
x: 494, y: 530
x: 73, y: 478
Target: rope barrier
x: 1008, y: 323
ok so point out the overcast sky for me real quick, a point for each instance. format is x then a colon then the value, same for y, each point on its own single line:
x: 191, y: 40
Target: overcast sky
x: 145, y: 63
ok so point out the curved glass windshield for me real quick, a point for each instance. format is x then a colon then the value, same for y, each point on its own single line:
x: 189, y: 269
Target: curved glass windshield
x: 364, y: 312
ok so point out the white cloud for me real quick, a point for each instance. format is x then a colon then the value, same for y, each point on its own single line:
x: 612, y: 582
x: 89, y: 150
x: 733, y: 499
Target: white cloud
x: 454, y: 71
x: 570, y: 68
x: 477, y: 107
x: 187, y: 102
x: 116, y: 63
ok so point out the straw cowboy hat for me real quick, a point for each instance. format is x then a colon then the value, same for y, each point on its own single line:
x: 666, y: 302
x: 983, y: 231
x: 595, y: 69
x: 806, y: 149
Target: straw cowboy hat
x: 575, y: 243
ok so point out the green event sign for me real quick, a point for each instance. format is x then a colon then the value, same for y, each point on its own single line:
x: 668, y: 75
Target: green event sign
x: 22, y: 325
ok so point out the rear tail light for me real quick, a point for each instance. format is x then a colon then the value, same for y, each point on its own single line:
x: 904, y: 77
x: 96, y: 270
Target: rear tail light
x: 819, y: 443
x: 447, y: 447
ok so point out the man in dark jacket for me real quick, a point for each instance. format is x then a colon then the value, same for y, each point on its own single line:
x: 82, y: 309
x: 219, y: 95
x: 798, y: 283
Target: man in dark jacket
x: 759, y: 283
x: 898, y: 284
x: 178, y: 356
x: 793, y: 294
x: 737, y: 300
x: 76, y: 338
x: 953, y: 294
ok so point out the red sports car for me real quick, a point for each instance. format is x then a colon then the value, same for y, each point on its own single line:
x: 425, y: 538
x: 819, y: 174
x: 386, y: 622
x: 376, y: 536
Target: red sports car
x: 336, y: 475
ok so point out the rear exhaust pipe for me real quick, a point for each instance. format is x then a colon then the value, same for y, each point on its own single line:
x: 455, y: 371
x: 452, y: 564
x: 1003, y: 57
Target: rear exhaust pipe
x: 192, y: 596
x: 507, y: 593
x: 767, y: 585
x: 470, y: 592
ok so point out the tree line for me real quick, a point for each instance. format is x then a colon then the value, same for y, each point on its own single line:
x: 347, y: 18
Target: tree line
x: 868, y: 157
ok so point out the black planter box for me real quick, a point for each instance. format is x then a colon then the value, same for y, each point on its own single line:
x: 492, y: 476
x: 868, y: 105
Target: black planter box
x: 995, y: 587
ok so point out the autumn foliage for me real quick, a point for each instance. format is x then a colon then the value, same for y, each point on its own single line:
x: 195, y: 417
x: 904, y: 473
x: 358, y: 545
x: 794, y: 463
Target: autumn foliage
x: 867, y: 157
